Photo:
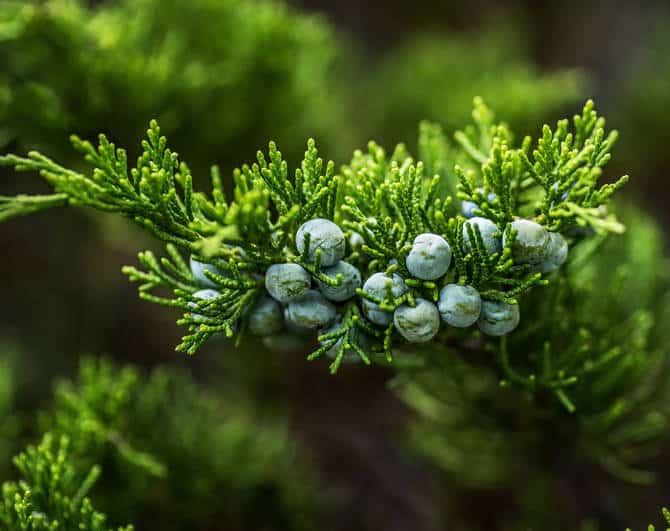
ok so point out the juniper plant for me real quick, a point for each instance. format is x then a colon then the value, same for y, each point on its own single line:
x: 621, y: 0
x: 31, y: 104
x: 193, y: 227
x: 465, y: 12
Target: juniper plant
x: 156, y: 433
x: 271, y: 216
x: 52, y: 492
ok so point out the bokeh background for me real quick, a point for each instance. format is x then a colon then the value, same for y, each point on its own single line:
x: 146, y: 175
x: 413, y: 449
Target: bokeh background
x: 223, y: 77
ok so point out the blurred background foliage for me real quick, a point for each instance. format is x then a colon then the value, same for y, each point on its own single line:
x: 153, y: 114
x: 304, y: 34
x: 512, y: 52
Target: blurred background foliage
x: 172, y: 451
x: 216, y: 74
x: 252, y: 439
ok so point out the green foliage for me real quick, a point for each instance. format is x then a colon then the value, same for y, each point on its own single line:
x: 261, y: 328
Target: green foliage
x: 52, y: 492
x: 172, y: 451
x: 434, y: 77
x: 567, y: 165
x: 582, y: 379
x: 610, y: 349
x: 598, y: 375
x: 390, y: 201
x: 247, y: 69
x: 387, y: 199
x: 456, y: 428
x: 276, y: 72
x: 149, y: 193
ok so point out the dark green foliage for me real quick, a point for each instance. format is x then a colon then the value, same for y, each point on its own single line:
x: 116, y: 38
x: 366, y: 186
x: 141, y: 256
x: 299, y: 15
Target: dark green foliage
x: 609, y: 349
x: 246, y: 69
x: 51, y: 494
x: 457, y: 429
x: 178, y: 456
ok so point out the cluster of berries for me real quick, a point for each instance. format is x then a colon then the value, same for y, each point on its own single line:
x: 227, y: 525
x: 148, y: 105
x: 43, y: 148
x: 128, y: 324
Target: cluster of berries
x: 299, y: 303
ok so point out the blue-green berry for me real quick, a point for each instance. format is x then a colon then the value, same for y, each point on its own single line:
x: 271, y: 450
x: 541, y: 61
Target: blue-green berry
x: 266, y: 317
x: 294, y: 329
x: 429, y: 258
x: 286, y: 282
x: 311, y: 310
x: 531, y: 245
x: 489, y: 231
x: 459, y: 305
x: 198, y: 270
x: 204, y: 294
x: 351, y: 280
x: 557, y: 254
x: 378, y: 285
x: 417, y: 324
x: 468, y: 208
x: 326, y: 237
x: 498, y: 318
x: 376, y: 315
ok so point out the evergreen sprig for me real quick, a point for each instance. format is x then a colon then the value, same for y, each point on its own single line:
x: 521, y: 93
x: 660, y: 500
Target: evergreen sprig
x: 52, y: 492
x: 93, y: 414
x: 156, y: 433
x: 567, y: 165
x: 157, y: 193
x: 385, y: 201
x: 204, y: 318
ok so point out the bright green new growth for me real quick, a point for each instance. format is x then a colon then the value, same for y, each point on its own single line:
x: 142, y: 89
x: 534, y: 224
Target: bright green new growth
x: 51, y: 494
x: 388, y: 200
